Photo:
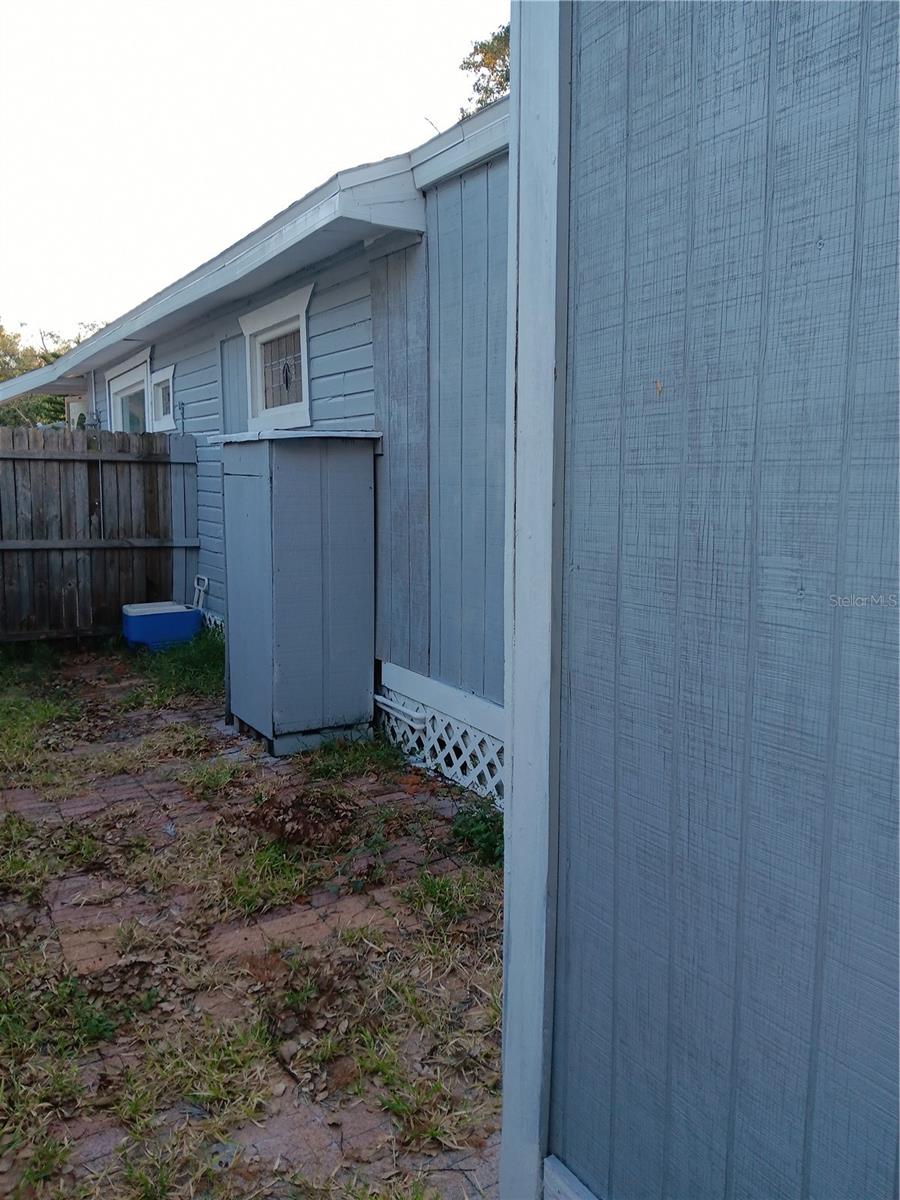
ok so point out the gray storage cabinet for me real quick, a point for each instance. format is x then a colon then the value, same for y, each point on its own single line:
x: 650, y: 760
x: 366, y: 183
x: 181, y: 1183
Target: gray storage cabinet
x: 299, y: 525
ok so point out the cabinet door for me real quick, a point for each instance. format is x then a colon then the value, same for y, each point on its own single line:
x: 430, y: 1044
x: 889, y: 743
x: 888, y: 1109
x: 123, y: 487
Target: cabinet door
x: 323, y: 530
x: 248, y: 551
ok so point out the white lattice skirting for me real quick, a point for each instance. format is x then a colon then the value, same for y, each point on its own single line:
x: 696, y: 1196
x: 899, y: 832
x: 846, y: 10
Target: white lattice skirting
x: 450, y: 745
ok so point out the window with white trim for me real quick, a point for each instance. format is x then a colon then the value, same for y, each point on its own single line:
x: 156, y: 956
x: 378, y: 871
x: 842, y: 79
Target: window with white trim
x: 128, y: 390
x: 278, y: 363
x: 162, y: 386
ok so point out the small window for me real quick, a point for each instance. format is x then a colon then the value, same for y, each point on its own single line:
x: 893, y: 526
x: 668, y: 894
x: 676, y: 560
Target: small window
x: 128, y: 393
x: 277, y: 363
x: 281, y: 370
x: 163, y: 400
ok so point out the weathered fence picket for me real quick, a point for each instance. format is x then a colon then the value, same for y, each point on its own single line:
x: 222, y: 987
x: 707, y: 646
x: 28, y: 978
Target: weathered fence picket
x: 90, y: 521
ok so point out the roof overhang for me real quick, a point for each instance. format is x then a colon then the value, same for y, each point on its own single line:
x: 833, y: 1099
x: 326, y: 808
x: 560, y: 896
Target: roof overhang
x: 351, y: 208
x: 470, y: 142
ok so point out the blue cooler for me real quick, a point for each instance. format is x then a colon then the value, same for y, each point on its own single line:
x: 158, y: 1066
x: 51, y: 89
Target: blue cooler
x: 164, y: 623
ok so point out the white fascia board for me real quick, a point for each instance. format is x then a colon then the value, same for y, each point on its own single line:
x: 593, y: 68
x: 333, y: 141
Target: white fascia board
x: 383, y: 197
x: 465, y: 145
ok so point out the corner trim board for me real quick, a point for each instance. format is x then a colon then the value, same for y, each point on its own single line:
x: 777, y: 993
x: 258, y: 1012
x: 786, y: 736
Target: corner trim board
x: 536, y: 388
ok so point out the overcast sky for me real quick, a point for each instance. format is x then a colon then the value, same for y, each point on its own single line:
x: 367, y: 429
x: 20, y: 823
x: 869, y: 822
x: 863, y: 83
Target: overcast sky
x: 142, y: 138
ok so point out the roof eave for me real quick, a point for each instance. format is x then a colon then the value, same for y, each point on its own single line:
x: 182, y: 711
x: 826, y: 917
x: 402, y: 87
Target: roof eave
x: 355, y: 206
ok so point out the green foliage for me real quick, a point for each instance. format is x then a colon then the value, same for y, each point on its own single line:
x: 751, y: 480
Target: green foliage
x: 488, y: 62
x: 478, y: 824
x: 209, y: 779
x: 58, y: 1018
x: 349, y: 760
x: 449, y: 898
x: 194, y: 668
x: 17, y: 358
x: 274, y: 874
x: 28, y: 858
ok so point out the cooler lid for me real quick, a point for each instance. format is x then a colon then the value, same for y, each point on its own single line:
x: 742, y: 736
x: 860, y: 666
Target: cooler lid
x: 150, y: 610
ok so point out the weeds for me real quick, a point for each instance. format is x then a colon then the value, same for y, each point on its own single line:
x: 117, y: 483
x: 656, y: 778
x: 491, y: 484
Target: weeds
x: 23, y: 723
x: 46, y: 1020
x: 478, y: 824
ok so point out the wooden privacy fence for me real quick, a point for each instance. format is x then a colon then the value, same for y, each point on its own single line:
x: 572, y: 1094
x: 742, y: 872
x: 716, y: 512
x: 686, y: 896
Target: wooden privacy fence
x: 90, y: 521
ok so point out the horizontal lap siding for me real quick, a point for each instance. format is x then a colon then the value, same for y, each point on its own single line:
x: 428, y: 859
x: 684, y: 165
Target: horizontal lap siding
x: 341, y: 375
x: 210, y: 392
x: 726, y: 988
x: 467, y: 232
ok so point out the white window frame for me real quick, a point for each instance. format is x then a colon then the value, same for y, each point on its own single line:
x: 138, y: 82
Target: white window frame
x: 287, y: 315
x: 157, y: 378
x: 128, y: 376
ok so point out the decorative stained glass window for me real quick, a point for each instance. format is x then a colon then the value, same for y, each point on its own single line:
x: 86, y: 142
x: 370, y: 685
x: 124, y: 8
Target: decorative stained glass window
x: 277, y: 379
x: 281, y: 370
x: 164, y: 400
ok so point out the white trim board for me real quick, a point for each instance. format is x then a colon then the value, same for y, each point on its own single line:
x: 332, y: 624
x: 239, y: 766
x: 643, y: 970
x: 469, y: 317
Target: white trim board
x: 261, y: 326
x: 561, y: 1184
x: 469, y: 143
x: 359, y: 204
x: 536, y: 384
x: 275, y: 435
x: 166, y: 375
x: 463, y: 706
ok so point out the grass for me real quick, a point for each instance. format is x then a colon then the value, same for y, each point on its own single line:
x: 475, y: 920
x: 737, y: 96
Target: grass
x: 220, y: 1069
x: 195, y: 668
x: 274, y: 874
x: 206, y: 780
x: 236, y: 871
x: 450, y: 898
x: 24, y: 721
x: 401, y: 1014
x: 29, y: 855
x: 341, y: 759
x: 46, y: 1020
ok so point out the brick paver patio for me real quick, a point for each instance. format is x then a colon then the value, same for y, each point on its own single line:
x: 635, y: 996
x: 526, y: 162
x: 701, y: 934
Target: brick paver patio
x: 377, y: 1071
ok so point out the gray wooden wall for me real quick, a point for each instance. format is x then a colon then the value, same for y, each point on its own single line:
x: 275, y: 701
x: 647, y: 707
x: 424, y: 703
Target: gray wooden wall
x: 439, y: 314
x: 403, y: 581
x: 726, y: 989
x: 210, y: 383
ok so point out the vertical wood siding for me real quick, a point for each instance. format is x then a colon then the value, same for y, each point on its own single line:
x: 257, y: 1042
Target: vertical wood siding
x: 400, y: 321
x: 439, y: 317
x: 725, y: 1013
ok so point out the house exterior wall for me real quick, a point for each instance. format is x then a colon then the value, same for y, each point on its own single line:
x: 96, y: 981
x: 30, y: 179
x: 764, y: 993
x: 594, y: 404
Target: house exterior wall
x: 210, y: 389
x: 725, y: 989
x: 439, y: 312
x: 406, y: 336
